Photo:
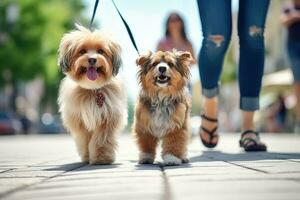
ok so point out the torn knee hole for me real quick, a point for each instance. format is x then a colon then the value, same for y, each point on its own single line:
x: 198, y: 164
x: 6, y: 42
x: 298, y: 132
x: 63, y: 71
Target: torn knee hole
x: 255, y: 31
x: 216, y: 39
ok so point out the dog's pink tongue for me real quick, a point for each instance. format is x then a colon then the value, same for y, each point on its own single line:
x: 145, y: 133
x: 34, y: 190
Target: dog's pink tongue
x: 91, y: 73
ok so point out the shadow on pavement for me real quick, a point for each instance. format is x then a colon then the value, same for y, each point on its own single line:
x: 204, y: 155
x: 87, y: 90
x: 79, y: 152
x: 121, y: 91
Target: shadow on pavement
x: 213, y: 156
x: 81, y: 167
x: 207, y: 156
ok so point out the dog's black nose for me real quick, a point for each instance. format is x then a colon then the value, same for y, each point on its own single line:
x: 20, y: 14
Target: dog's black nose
x: 92, y: 61
x: 162, y: 69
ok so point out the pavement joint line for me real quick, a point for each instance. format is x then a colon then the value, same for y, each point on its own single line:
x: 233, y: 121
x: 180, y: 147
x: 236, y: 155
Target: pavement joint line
x: 239, y: 165
x: 167, y: 194
x: 23, y: 187
x: 6, y: 171
x: 250, y: 168
x: 33, y: 165
x: 28, y: 166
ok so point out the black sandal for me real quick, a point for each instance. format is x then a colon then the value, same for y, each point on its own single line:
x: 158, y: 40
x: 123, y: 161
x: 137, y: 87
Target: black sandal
x: 252, y: 144
x: 212, y: 133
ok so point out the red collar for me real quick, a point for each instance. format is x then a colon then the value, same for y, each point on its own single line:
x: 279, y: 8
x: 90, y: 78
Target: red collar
x: 100, y: 98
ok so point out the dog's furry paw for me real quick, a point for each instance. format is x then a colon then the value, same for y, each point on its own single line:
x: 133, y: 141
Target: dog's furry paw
x: 86, y: 161
x: 106, y: 161
x: 185, y: 160
x: 84, y: 158
x: 102, y: 162
x: 171, y: 160
x: 146, y: 158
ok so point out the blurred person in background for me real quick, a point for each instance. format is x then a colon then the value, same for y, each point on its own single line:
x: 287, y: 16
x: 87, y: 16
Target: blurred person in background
x: 290, y: 18
x: 281, y: 112
x: 216, y: 21
x: 276, y: 116
x: 176, y: 38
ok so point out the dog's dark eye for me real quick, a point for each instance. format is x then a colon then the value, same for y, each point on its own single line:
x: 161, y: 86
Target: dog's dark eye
x: 82, y: 51
x: 83, y: 70
x: 100, y: 51
x: 171, y: 64
x: 154, y: 64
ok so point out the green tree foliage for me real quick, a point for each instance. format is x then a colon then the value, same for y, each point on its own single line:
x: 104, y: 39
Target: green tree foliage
x: 29, y: 43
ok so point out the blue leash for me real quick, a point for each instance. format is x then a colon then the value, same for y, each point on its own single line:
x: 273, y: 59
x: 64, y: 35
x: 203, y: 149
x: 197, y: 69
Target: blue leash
x: 123, y: 20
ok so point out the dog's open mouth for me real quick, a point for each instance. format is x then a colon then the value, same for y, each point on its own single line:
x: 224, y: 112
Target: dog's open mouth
x: 162, y: 79
x: 91, y: 72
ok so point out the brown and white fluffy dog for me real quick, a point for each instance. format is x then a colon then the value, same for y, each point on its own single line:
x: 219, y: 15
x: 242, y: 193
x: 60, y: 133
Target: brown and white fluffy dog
x: 91, y: 100
x: 163, y: 107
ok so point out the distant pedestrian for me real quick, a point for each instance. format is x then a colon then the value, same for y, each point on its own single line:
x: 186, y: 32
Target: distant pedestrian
x: 176, y: 38
x: 290, y: 18
x: 175, y: 35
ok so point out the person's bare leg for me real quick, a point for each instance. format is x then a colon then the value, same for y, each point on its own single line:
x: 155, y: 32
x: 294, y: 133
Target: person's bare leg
x: 210, y: 109
x: 247, y: 122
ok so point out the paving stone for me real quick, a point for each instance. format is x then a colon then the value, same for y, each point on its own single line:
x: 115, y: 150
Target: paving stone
x: 4, y: 170
x: 236, y: 189
x: 231, y: 169
x: 10, y: 184
x: 48, y: 167
x: 152, y: 195
x: 272, y: 167
x: 45, y: 171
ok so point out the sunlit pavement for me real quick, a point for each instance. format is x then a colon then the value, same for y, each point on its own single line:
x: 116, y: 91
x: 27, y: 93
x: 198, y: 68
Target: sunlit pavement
x: 47, y: 167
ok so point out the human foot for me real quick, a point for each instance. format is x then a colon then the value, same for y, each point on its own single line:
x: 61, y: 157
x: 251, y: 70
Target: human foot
x: 250, y: 141
x: 208, y: 131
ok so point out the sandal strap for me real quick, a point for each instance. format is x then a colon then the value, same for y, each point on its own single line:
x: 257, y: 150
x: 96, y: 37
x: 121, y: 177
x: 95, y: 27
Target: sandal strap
x: 210, y: 132
x: 249, y: 131
x: 245, y: 141
x: 208, y: 118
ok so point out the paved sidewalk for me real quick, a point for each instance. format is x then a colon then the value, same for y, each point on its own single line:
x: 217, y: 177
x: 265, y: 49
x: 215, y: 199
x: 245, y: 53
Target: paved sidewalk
x: 47, y: 167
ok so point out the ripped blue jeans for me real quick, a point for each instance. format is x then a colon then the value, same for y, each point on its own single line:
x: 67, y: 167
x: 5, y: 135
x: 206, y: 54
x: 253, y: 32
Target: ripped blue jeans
x: 216, y: 23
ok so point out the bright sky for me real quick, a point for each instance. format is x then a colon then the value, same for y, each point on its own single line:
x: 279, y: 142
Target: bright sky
x: 146, y: 19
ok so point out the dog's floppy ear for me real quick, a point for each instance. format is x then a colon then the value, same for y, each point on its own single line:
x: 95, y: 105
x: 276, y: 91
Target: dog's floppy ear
x: 116, y: 57
x: 184, y: 57
x: 65, y: 53
x: 143, y: 59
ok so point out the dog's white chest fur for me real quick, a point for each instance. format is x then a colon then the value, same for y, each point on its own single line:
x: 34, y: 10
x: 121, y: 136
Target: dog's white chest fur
x: 86, y: 108
x: 93, y: 115
x: 161, y: 122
